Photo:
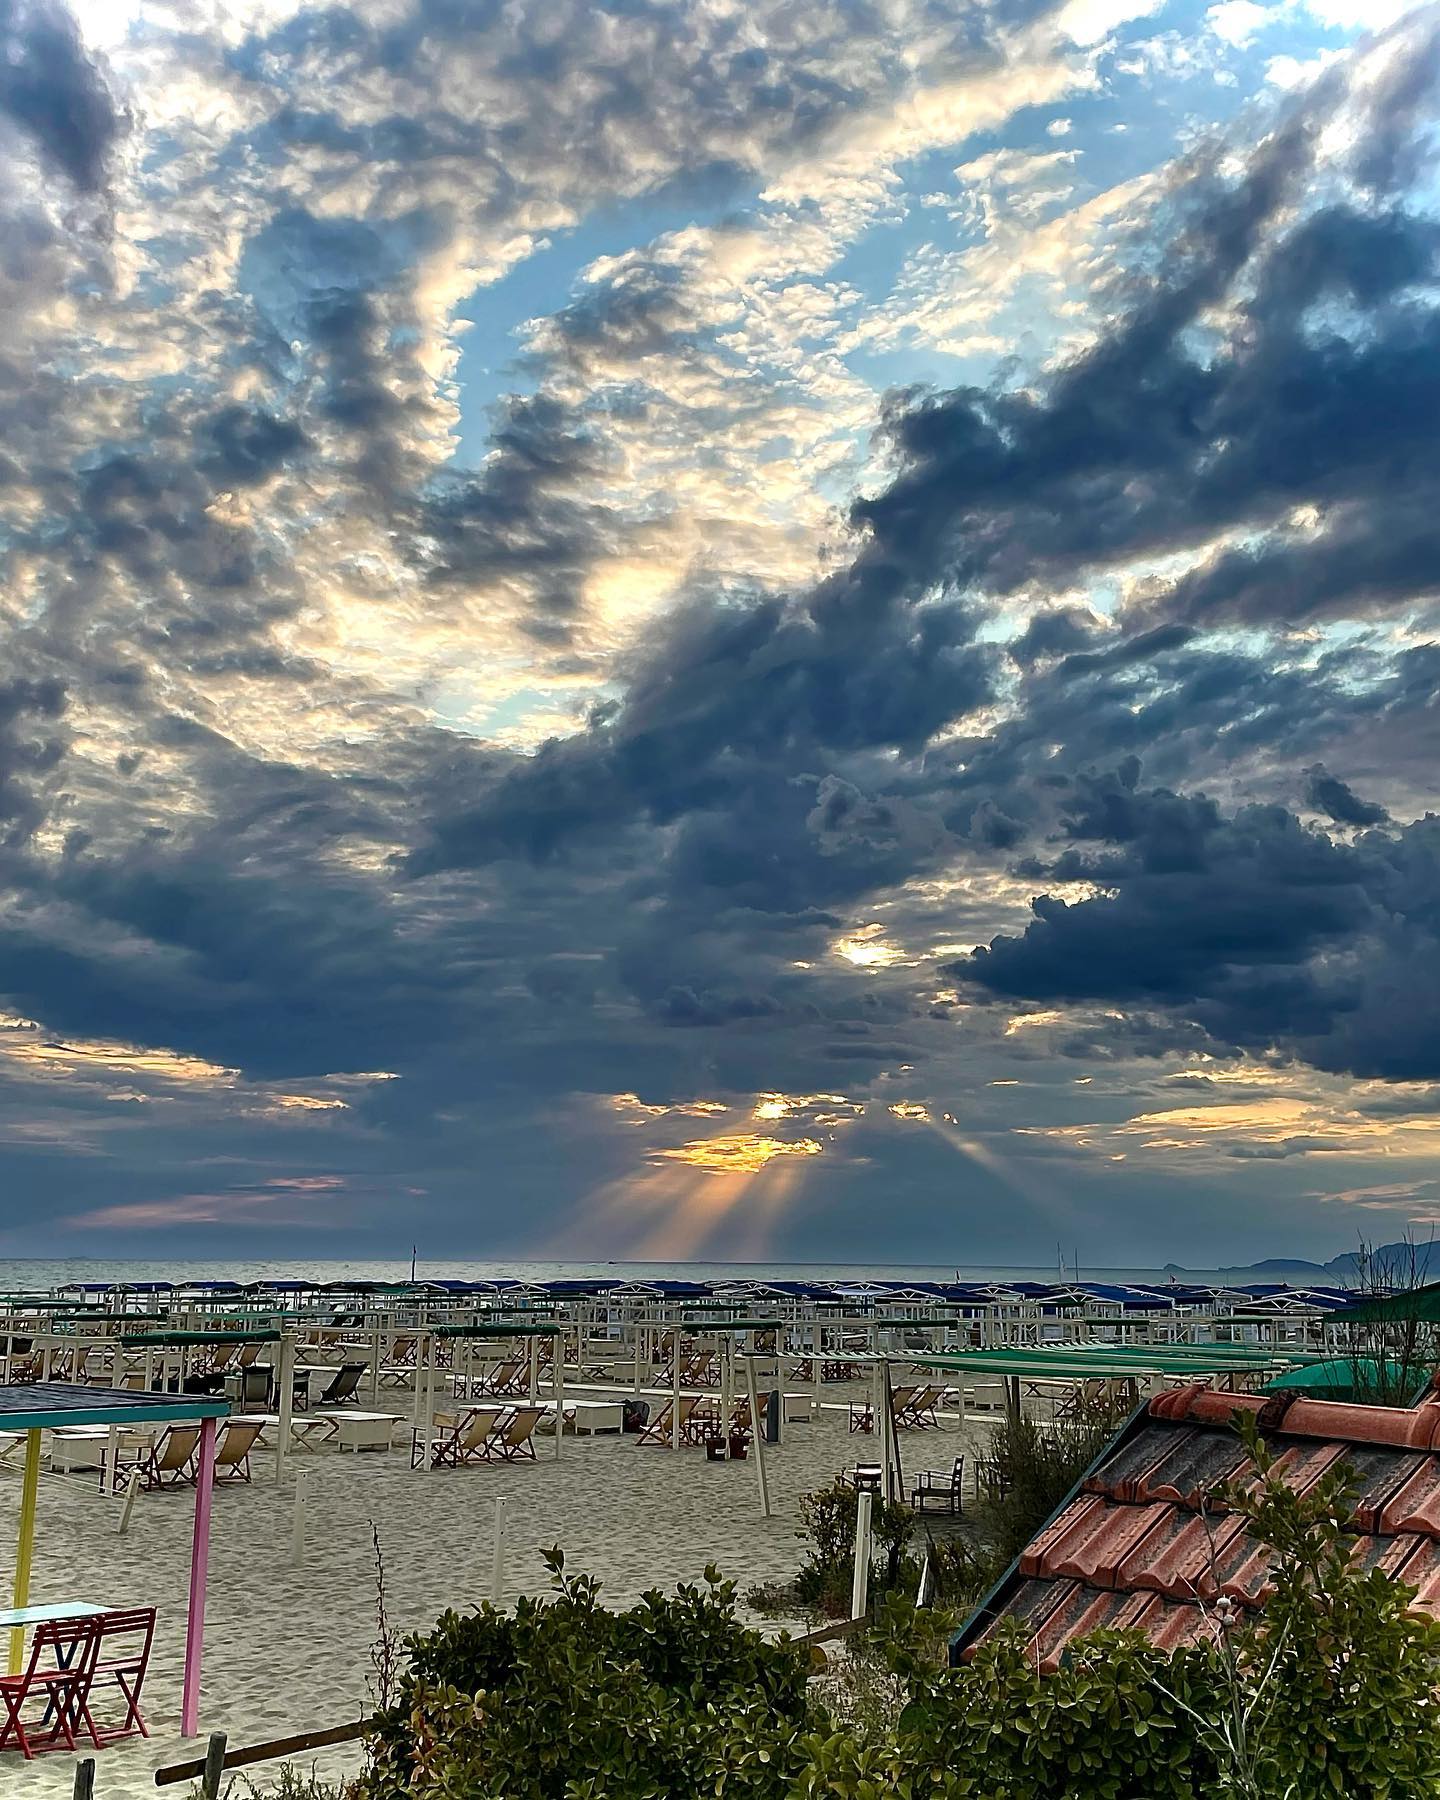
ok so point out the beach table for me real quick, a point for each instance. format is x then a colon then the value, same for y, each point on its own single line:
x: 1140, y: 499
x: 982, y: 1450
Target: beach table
x: 353, y: 1430
x: 307, y: 1430
x: 588, y: 1415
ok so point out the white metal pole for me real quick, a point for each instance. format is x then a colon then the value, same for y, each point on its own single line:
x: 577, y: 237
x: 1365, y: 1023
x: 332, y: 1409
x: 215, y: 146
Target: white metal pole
x: 860, y: 1585
x: 297, y: 1519
x: 285, y: 1401
x: 558, y: 1383
x: 757, y: 1437
x: 675, y: 1396
x: 497, y: 1565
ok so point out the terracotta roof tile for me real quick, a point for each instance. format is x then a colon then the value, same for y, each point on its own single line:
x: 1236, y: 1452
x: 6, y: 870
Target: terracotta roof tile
x: 1033, y: 1561
x: 1199, y: 1461
x: 1243, y: 1570
x: 1388, y: 1554
x: 1380, y: 1473
x: 1177, y: 1557
x: 1083, y: 1611
x: 1099, y: 1541
x: 1121, y: 1475
x: 1136, y: 1548
x: 1421, y: 1570
x: 1416, y: 1503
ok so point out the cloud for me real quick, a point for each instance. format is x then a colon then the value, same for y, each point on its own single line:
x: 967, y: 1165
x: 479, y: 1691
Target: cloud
x: 55, y: 92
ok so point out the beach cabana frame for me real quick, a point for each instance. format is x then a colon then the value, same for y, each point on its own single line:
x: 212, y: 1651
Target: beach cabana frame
x: 49, y: 1406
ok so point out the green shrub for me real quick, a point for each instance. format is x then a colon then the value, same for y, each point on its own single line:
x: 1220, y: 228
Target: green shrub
x: 1028, y: 1470
x: 566, y: 1700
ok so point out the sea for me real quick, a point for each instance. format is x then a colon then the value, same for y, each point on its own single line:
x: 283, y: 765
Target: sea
x: 24, y: 1275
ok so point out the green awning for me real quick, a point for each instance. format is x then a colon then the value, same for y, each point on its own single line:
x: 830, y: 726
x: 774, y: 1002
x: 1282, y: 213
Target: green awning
x: 1348, y: 1378
x: 499, y: 1329
x: 176, y: 1340
x: 1420, y: 1306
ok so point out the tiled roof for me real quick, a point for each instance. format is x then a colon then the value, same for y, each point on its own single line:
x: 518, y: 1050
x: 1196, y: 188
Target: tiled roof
x: 1144, y: 1541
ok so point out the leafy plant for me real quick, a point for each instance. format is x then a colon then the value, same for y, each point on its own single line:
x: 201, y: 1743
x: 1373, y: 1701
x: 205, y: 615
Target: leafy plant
x: 565, y: 1700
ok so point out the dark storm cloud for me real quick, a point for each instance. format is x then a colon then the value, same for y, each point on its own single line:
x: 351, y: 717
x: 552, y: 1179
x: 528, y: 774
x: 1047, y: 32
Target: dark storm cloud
x: 1338, y: 801
x: 51, y: 88
x: 1265, y: 932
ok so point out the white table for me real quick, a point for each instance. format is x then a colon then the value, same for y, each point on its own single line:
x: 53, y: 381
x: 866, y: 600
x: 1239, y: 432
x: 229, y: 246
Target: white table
x: 588, y: 1415
x: 356, y: 1430
x: 304, y: 1427
x: 39, y: 1615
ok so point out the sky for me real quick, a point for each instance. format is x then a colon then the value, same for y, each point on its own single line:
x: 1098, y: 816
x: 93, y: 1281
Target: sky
x: 752, y: 629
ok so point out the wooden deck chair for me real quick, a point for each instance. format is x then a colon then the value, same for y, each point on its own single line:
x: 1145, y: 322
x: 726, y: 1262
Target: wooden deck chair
x: 937, y: 1484
x: 232, y: 1451
x: 502, y: 1378
x: 170, y: 1462
x: 342, y: 1389
x: 918, y: 1410
x: 122, y: 1655
x: 462, y: 1437
x: 513, y: 1436
x: 660, y: 1429
x: 62, y: 1656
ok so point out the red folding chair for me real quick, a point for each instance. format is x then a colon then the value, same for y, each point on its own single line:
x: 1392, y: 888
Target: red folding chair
x: 122, y: 1655
x: 60, y: 1683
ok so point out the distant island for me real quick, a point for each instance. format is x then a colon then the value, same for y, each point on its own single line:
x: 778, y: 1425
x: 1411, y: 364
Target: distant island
x: 1385, y: 1260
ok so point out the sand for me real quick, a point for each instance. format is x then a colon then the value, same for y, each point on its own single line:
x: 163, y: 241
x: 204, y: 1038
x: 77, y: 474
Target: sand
x: 287, y: 1646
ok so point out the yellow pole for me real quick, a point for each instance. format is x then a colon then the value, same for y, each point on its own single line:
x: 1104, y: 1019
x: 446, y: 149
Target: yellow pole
x: 25, y: 1544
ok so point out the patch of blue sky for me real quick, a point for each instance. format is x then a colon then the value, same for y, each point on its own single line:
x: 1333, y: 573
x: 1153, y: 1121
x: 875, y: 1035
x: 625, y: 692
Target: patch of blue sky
x: 492, y: 363
x: 1157, y: 76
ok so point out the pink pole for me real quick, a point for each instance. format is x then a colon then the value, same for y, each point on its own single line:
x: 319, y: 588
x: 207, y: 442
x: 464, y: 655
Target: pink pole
x: 199, y: 1568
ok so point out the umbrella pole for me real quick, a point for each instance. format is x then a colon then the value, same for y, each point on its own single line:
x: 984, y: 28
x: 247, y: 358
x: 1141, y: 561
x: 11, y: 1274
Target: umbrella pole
x: 25, y: 1543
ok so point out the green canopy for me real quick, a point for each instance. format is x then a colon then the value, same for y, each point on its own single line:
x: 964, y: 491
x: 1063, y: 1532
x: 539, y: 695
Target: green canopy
x: 496, y: 1329
x: 175, y: 1340
x: 1348, y: 1378
x: 1421, y: 1305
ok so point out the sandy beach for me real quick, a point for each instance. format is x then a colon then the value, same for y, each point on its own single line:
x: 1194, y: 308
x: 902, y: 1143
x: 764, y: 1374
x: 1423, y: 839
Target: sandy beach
x: 287, y: 1646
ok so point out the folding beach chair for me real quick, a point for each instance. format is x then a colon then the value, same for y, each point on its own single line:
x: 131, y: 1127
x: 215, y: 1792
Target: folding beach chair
x: 660, y: 1429
x: 62, y: 1656
x: 342, y: 1388
x: 917, y: 1410
x: 513, y: 1437
x: 170, y: 1462
x: 122, y: 1655
x: 505, y: 1378
x: 233, y: 1447
x: 463, y: 1437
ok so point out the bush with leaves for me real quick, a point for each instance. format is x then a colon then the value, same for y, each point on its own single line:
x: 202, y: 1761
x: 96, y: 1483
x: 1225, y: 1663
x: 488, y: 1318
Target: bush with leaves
x: 1330, y: 1694
x: 827, y: 1522
x: 566, y: 1700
